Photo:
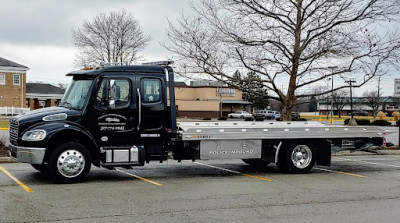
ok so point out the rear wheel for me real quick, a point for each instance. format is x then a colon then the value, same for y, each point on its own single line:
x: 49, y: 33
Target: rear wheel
x: 69, y: 163
x: 299, y: 157
x: 256, y: 162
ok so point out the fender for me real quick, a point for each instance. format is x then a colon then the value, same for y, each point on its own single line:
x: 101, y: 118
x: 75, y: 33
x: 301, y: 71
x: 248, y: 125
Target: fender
x: 59, y: 132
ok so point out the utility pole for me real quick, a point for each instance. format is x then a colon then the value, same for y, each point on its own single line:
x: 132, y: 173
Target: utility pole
x: 379, y: 96
x: 352, y: 122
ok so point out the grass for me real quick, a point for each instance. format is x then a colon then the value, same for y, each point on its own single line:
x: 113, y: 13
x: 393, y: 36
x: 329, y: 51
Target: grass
x: 4, y: 124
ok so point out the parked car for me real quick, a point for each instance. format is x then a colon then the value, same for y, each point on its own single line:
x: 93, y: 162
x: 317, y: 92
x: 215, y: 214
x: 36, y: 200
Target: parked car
x: 261, y: 113
x: 295, y: 115
x: 273, y: 114
x: 359, y: 113
x: 277, y: 114
x: 240, y: 114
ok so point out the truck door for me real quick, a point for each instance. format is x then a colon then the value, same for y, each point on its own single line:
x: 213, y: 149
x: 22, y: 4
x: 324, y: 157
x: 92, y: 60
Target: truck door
x: 152, y: 107
x: 111, y: 117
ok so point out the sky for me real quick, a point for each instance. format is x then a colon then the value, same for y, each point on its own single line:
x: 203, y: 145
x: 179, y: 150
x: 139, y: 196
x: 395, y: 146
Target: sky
x: 38, y: 34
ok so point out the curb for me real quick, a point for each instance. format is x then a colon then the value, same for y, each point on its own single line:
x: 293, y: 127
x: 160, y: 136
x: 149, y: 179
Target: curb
x: 7, y: 160
x: 362, y: 153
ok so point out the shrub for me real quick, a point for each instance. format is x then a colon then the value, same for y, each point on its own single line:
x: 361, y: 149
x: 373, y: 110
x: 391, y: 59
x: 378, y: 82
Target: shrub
x: 260, y: 119
x: 249, y: 119
x: 300, y: 119
x: 363, y: 122
x: 223, y: 118
x: 358, y: 121
x: 381, y: 123
x: 279, y: 119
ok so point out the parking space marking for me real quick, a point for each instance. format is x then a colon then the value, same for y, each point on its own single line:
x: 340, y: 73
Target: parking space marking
x: 233, y: 171
x: 340, y: 172
x: 362, y: 161
x: 26, y: 188
x: 138, y: 177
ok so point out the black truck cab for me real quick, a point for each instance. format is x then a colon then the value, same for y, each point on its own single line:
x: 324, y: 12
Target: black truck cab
x: 113, y: 116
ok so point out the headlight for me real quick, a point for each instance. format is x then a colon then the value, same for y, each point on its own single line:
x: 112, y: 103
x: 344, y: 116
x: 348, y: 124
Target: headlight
x: 34, y: 135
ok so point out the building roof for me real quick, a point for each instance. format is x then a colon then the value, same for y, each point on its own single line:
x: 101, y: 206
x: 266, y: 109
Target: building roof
x: 363, y: 100
x: 178, y: 84
x: 39, y: 88
x: 8, y: 63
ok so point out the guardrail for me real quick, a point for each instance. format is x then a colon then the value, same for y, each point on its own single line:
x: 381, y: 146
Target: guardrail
x: 13, y: 110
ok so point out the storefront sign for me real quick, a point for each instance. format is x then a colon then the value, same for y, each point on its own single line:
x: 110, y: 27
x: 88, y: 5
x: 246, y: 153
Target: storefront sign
x: 231, y: 92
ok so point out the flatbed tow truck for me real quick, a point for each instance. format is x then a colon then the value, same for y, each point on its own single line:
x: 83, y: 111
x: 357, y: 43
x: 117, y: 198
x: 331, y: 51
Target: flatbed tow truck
x: 125, y: 116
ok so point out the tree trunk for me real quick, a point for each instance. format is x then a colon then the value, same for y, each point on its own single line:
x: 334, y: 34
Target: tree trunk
x: 287, y: 108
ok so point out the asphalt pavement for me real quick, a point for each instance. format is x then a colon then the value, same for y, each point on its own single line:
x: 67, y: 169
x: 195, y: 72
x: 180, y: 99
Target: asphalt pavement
x: 354, y: 189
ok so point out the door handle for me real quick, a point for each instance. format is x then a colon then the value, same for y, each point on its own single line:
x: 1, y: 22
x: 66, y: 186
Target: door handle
x: 140, y: 109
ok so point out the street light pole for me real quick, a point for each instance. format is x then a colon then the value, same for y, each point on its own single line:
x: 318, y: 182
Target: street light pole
x: 331, y: 121
x: 351, y: 121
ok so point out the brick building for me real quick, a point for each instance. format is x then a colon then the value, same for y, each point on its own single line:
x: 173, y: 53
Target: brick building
x: 207, y: 99
x: 12, y: 84
x: 40, y: 95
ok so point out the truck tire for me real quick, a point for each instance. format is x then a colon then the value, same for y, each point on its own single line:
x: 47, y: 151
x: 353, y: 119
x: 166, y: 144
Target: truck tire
x: 40, y: 167
x: 69, y: 163
x: 300, y: 157
x: 256, y: 162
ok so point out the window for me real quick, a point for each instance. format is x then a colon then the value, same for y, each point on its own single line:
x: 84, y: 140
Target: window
x: 122, y: 89
x: 151, y: 90
x: 102, y: 94
x: 2, y: 79
x: 16, y: 79
x: 76, y: 94
x: 121, y: 93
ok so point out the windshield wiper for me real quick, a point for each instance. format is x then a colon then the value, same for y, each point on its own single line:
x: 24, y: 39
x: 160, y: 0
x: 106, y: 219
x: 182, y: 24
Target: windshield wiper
x: 69, y: 105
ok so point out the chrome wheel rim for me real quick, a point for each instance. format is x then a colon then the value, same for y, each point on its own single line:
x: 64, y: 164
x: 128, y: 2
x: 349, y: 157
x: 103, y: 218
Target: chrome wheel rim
x: 70, y: 163
x: 301, y: 156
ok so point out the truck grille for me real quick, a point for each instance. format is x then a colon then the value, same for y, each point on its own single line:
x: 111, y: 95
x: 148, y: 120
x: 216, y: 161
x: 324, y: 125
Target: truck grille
x: 14, y: 131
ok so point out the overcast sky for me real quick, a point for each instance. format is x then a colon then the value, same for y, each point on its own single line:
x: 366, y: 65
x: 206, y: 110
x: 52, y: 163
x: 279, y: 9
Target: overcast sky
x: 37, y: 33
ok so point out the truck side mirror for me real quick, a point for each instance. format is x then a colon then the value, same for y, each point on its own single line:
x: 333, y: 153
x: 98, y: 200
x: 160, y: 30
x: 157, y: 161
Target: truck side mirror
x: 112, y: 94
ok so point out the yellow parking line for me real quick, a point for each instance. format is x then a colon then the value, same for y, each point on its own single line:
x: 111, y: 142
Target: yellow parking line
x: 340, y: 172
x: 26, y: 188
x: 140, y: 178
x: 4, y: 129
x: 232, y: 171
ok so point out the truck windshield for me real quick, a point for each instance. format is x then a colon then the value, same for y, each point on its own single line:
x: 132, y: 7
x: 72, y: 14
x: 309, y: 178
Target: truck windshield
x: 76, y: 94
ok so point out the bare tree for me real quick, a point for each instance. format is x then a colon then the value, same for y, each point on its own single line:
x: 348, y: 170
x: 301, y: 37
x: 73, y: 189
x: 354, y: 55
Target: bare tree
x: 300, y: 42
x: 115, y: 37
x: 340, y: 98
x: 372, y: 99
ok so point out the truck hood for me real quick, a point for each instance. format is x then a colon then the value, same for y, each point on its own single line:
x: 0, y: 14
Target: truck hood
x: 34, y: 117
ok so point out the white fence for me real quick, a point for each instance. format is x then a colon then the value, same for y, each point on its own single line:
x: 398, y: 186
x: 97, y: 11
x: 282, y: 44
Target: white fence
x: 13, y: 110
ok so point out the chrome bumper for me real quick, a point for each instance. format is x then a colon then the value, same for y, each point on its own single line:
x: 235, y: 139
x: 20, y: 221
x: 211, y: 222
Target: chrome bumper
x: 27, y: 154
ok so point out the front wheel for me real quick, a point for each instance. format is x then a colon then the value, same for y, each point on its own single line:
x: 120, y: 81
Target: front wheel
x: 69, y: 163
x: 300, y: 157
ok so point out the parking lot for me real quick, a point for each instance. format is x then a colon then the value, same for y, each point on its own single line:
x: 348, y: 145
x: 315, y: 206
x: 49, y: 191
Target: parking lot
x: 355, y: 188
